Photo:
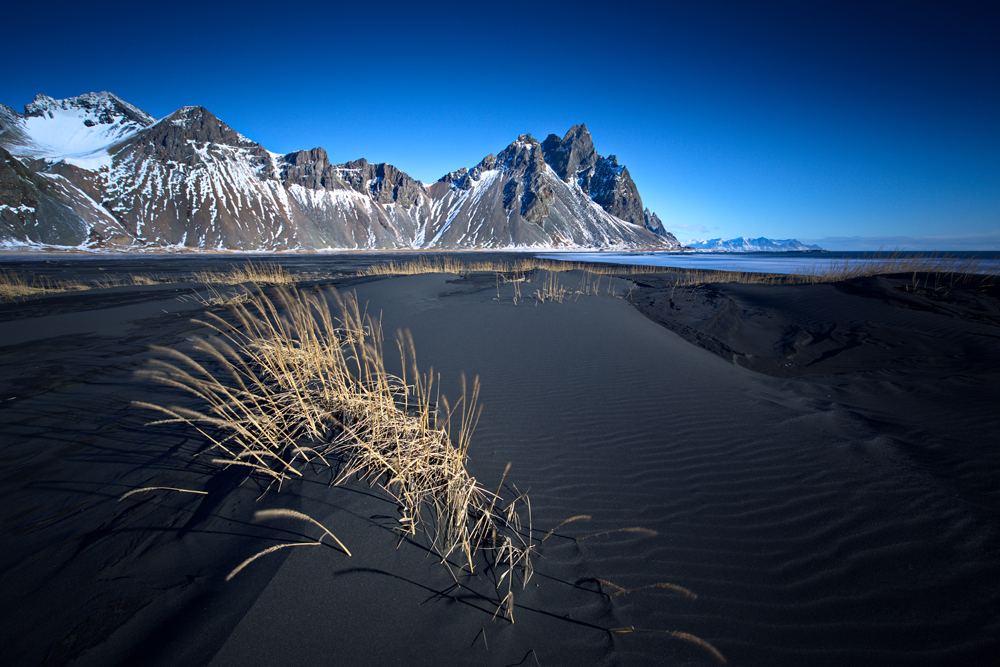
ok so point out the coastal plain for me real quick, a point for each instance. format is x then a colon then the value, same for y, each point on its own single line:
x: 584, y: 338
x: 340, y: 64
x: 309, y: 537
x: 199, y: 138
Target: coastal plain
x: 790, y: 473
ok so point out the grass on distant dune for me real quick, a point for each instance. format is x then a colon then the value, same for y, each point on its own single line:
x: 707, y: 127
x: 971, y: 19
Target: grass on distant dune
x: 259, y: 274
x: 15, y: 285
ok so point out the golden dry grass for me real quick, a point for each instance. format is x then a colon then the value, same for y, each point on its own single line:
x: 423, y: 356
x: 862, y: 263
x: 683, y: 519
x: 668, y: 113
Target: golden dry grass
x: 218, y: 299
x: 551, y: 290
x: 259, y: 274
x: 129, y: 280
x: 14, y: 285
x: 294, y: 385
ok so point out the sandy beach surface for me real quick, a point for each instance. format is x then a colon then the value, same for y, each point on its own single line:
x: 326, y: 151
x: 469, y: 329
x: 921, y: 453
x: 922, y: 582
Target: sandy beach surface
x: 814, y: 470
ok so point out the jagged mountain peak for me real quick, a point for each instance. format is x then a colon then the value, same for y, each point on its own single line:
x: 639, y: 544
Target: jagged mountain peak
x: 201, y: 125
x: 653, y: 223
x: 575, y: 160
x: 102, y: 108
x: 525, y: 151
x: 183, y: 136
x: 316, y: 155
x: 572, y: 154
x: 383, y: 182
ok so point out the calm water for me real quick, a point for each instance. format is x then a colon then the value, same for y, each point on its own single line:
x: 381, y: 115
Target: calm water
x: 778, y: 262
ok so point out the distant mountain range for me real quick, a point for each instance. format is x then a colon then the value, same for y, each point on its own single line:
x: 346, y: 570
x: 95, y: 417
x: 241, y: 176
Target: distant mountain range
x: 95, y: 171
x: 743, y: 244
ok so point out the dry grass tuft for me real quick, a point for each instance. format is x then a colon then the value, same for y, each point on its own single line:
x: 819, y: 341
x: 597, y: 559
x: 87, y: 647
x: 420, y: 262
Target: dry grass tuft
x: 293, y: 385
x: 551, y: 290
x: 258, y: 274
x: 216, y: 299
x: 128, y: 280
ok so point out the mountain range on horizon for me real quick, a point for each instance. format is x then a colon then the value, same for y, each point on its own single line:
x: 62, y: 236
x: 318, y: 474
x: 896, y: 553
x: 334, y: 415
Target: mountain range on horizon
x: 745, y: 244
x: 94, y: 171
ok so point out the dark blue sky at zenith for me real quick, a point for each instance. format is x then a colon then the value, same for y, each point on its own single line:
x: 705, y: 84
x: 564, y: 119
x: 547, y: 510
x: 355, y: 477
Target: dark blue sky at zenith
x: 855, y: 125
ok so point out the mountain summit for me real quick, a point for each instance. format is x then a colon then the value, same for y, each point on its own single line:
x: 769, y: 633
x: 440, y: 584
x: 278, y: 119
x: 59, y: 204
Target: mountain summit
x: 611, y: 187
x: 104, y: 173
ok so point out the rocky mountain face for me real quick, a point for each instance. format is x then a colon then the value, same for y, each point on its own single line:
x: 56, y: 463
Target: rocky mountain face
x: 48, y: 209
x: 516, y: 199
x: 96, y: 171
x: 575, y: 160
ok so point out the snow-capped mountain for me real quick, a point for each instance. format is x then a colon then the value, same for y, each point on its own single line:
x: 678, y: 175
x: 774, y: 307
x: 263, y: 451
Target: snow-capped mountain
x: 96, y: 171
x: 744, y: 244
x: 516, y: 198
x: 76, y: 130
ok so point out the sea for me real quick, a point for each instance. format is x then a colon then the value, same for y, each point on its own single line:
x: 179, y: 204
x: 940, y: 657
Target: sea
x: 804, y: 263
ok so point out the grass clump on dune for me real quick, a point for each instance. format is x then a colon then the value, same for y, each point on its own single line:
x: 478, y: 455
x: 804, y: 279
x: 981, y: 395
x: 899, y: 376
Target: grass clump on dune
x: 295, y: 385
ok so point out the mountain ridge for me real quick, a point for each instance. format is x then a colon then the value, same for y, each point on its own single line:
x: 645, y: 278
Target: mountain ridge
x: 191, y: 180
x: 745, y: 244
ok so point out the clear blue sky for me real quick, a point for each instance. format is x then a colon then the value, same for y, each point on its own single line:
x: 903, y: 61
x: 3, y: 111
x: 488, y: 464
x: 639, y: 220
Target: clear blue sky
x: 873, y: 122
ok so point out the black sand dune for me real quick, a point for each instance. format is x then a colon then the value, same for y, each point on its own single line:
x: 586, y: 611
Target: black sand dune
x: 838, y: 510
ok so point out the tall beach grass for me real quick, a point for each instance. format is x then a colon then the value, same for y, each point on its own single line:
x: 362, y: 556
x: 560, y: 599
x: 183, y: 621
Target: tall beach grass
x: 298, y: 384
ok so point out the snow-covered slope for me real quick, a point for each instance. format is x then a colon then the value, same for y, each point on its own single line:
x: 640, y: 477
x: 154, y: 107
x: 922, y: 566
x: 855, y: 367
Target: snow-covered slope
x: 190, y: 180
x: 744, y: 244
x: 77, y: 130
x: 48, y: 209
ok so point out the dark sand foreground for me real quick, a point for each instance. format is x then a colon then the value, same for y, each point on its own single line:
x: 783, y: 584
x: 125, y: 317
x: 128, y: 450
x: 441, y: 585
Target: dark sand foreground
x: 820, y: 468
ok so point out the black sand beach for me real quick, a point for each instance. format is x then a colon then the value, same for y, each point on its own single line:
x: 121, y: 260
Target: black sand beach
x: 817, y: 464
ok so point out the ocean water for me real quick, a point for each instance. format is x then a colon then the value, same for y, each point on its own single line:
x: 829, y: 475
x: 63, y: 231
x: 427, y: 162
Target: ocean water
x: 783, y: 262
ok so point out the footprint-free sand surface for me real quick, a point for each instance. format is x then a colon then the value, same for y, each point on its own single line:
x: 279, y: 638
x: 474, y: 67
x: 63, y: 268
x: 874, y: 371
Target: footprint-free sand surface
x: 816, y: 464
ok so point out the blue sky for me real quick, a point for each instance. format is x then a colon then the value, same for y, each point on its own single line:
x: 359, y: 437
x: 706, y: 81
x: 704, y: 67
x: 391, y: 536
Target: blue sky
x: 854, y: 125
